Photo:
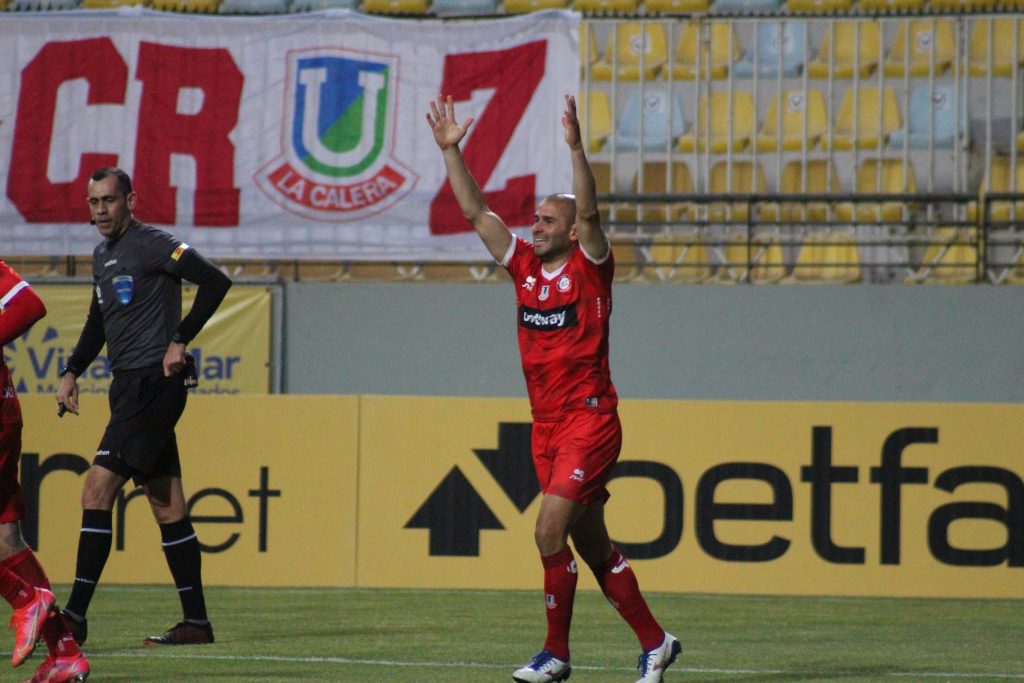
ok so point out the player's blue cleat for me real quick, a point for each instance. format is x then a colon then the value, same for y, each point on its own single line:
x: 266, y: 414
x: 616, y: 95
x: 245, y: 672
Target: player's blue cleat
x: 652, y: 663
x: 543, y: 668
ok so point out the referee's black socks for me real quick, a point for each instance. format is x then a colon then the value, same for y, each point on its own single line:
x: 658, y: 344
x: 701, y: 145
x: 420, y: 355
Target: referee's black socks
x: 94, y: 542
x: 181, y: 547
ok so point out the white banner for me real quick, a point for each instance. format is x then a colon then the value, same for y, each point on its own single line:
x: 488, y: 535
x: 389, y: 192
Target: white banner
x: 296, y: 136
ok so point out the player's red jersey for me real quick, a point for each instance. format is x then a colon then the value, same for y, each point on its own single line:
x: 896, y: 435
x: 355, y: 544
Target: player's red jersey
x: 563, y: 331
x: 10, y: 286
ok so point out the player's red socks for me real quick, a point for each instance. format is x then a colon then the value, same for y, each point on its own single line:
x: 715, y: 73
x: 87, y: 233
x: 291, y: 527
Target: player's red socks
x: 16, y: 592
x: 25, y: 564
x: 560, y: 575
x: 618, y: 582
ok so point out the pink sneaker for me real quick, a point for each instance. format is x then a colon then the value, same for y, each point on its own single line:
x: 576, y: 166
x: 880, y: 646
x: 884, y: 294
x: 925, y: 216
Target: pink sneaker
x: 62, y: 670
x: 27, y: 621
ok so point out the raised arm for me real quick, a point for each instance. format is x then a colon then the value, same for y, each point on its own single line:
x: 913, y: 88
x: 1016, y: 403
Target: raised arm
x: 588, y: 220
x: 447, y: 134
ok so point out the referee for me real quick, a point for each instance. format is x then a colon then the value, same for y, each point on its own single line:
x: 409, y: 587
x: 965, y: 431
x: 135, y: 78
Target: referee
x: 136, y: 310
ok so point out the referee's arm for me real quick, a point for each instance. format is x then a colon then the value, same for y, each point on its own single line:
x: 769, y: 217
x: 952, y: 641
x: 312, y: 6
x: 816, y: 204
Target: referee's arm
x: 213, y: 285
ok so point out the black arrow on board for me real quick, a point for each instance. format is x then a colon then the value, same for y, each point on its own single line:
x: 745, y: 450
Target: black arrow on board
x: 511, y: 464
x: 455, y: 514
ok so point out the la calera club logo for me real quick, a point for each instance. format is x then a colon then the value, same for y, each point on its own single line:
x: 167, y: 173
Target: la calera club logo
x: 337, y: 159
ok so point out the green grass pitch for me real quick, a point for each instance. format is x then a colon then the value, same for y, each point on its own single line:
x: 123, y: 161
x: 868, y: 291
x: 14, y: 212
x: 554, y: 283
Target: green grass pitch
x: 409, y: 636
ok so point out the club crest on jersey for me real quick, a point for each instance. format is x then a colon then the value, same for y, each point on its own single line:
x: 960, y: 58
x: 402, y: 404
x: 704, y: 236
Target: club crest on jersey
x: 337, y: 159
x: 564, y: 283
x: 124, y: 288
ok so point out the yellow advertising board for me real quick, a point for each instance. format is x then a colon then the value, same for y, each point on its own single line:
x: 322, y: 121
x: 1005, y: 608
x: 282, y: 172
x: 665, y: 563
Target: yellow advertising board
x: 271, y: 484
x: 864, y: 499
x: 232, y: 352
x: 717, y: 497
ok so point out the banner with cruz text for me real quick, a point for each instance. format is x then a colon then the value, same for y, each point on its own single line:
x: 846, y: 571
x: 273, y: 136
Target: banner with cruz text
x: 292, y: 136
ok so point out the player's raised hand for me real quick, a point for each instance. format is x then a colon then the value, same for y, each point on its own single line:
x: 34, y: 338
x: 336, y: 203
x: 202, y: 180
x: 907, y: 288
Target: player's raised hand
x: 571, y: 124
x: 441, y: 117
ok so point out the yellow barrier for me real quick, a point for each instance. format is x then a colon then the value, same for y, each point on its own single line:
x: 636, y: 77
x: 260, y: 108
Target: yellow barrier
x: 271, y: 482
x: 232, y: 352
x: 719, y: 497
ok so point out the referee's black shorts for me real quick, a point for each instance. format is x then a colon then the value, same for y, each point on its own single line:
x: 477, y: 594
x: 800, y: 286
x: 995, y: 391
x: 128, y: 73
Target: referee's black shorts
x: 139, y: 442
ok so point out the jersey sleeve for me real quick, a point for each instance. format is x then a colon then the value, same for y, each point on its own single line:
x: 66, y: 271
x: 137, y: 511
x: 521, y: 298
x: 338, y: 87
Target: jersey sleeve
x: 20, y: 306
x: 165, y: 252
x: 517, y: 260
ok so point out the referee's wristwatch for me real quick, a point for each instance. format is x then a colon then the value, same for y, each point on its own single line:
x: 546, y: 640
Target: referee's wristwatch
x: 177, y: 338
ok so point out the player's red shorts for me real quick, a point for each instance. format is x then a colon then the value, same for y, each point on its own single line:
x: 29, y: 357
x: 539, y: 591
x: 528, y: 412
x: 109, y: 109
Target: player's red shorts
x: 574, y: 457
x: 12, y: 505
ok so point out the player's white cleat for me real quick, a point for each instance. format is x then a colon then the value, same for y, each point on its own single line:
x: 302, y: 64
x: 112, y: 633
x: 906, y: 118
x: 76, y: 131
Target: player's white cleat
x: 652, y: 663
x: 543, y: 668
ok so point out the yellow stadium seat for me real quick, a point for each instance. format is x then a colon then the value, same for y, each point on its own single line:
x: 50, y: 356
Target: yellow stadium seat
x: 725, y: 121
x: 629, y: 44
x: 803, y: 121
x: 931, y: 42
x: 881, y: 6
x: 676, y: 6
x: 656, y: 180
x: 964, y: 5
x: 595, y: 117
x: 680, y: 257
x: 1001, y: 178
x: 716, y: 55
x: 629, y: 263
x: 827, y: 257
x: 196, y: 6
x: 738, y: 177
x: 951, y: 258
x: 526, y: 6
x: 819, y: 6
x: 880, y: 176
x: 759, y: 261
x: 395, y: 6
x: 873, y: 108
x: 605, y: 6
x: 852, y: 47
x: 817, y: 176
x: 1003, y: 60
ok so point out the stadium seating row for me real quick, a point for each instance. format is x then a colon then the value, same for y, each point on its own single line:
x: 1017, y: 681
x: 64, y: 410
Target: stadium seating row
x: 918, y: 48
x: 188, y: 6
x: 874, y: 176
x: 940, y: 255
x: 484, y: 7
x: 795, y: 120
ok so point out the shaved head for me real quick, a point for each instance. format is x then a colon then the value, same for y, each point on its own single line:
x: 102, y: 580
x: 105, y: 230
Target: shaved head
x: 566, y: 205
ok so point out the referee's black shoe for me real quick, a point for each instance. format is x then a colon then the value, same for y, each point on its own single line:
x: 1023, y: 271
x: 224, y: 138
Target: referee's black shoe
x: 184, y: 633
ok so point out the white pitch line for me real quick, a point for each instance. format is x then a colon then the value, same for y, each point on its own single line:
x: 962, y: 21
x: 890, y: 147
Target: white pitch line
x: 482, y: 665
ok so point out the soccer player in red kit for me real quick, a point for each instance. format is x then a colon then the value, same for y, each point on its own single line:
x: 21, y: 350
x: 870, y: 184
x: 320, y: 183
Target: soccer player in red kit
x: 563, y: 286
x: 23, y: 582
